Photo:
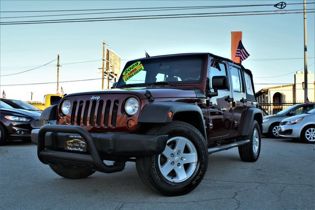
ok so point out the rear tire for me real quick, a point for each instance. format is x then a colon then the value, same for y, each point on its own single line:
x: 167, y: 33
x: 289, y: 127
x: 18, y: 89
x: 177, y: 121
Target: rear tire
x: 181, y: 166
x: 3, y: 135
x: 72, y: 172
x: 308, y: 134
x: 250, y: 152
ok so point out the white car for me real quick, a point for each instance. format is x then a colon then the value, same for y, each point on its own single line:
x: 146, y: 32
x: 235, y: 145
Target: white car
x: 300, y: 126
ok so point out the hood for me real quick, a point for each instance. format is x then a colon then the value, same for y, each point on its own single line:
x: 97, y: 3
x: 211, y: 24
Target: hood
x: 155, y: 92
x: 21, y: 112
x: 272, y: 116
x: 295, y: 117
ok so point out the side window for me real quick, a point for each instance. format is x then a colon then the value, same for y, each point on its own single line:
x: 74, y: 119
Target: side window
x: 236, y: 79
x: 249, y: 85
x: 216, y: 69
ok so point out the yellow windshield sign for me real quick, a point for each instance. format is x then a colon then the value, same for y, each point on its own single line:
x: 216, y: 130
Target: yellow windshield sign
x: 132, y: 70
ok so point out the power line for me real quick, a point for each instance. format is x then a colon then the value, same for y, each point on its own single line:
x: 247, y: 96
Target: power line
x: 149, y: 8
x: 126, y: 10
x: 279, y: 75
x: 28, y: 70
x: 152, y: 17
x: 278, y: 59
x: 108, y: 12
x: 79, y: 62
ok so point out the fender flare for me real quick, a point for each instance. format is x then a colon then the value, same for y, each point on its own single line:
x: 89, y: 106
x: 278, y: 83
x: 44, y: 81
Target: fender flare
x: 157, y: 112
x: 49, y: 113
x: 247, y: 118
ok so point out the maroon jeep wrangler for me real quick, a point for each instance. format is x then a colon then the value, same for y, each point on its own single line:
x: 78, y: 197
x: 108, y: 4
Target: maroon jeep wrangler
x: 166, y: 113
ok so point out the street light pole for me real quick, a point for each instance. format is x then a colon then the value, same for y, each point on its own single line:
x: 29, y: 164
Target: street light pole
x: 305, y: 54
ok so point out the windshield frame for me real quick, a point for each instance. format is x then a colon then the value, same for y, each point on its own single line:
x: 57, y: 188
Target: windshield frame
x: 203, y: 67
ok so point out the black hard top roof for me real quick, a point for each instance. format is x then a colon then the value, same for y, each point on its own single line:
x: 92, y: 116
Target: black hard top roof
x: 187, y: 54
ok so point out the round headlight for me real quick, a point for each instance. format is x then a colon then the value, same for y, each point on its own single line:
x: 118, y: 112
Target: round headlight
x: 131, y: 106
x: 66, y: 107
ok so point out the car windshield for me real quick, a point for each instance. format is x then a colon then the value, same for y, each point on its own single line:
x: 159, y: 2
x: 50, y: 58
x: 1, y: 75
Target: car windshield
x: 285, y: 111
x: 25, y: 105
x: 312, y: 111
x: 161, y: 71
x: 4, y: 105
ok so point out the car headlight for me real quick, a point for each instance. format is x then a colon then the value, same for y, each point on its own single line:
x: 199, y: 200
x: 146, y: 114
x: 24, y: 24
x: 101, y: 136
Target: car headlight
x: 295, y: 121
x: 16, y: 118
x: 131, y: 106
x: 66, y: 107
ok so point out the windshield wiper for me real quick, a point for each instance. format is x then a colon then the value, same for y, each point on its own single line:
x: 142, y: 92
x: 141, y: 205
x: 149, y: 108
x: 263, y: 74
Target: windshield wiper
x: 147, y: 84
x: 131, y: 85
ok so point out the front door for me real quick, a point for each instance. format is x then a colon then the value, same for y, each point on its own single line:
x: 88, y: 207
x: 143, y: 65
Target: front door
x: 218, y: 112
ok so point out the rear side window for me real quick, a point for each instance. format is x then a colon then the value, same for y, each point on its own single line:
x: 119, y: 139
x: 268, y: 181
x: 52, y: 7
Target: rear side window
x: 249, y: 85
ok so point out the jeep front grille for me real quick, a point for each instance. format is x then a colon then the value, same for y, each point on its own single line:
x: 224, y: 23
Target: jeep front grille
x: 101, y: 113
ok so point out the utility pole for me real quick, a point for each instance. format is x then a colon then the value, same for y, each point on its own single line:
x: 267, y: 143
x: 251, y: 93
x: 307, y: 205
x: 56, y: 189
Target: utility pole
x: 305, y: 54
x: 58, y: 65
x: 103, y: 64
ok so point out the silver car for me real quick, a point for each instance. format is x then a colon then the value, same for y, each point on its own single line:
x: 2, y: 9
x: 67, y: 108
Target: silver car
x: 300, y: 126
x: 271, y: 123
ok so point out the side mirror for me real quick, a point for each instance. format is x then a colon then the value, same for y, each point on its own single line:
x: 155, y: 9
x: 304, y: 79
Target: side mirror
x: 219, y: 83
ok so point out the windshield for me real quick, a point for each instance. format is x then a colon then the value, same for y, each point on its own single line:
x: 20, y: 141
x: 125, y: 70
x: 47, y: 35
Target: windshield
x: 4, y: 105
x: 285, y: 111
x: 161, y: 71
x: 312, y: 111
x: 24, y: 105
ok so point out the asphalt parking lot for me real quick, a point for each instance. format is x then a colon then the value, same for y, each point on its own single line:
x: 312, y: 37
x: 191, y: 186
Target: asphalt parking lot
x: 283, y: 178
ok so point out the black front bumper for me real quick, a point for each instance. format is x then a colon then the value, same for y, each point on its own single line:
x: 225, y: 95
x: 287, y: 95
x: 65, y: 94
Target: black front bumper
x: 50, y: 140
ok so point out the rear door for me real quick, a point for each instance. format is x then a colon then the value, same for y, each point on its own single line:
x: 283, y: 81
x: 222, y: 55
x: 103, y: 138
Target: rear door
x: 238, y: 95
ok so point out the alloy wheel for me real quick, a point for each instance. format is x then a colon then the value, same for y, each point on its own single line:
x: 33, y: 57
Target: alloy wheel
x: 178, y: 161
x: 276, y: 130
x: 255, y: 141
x: 310, y: 134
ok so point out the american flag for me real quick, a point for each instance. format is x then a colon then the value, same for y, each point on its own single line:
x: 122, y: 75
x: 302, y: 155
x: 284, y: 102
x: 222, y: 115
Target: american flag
x: 241, y: 51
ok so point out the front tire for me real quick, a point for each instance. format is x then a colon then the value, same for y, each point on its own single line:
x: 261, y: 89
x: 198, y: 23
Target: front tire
x: 308, y: 134
x: 274, y: 130
x: 72, y: 172
x: 250, y: 152
x: 181, y: 166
